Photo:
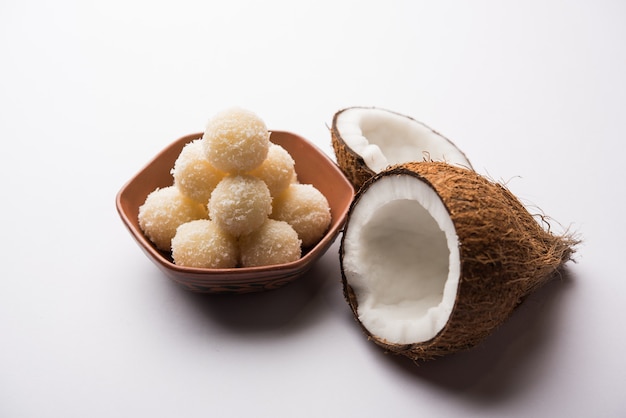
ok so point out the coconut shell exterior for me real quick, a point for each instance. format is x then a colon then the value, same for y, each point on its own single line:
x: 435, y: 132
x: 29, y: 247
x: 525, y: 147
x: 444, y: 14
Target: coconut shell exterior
x: 351, y: 163
x: 505, y: 254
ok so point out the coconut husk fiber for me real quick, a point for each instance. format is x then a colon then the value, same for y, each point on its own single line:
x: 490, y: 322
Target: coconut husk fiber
x: 505, y: 254
x: 351, y: 163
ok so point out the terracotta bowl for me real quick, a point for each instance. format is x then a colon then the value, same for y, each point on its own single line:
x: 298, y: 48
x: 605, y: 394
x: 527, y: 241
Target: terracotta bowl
x: 312, y: 167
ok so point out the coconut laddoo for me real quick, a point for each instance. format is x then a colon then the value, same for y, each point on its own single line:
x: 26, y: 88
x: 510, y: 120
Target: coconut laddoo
x: 193, y: 174
x: 306, y: 209
x: 275, y: 242
x: 277, y: 171
x: 240, y: 204
x: 163, y: 211
x: 201, y: 243
x: 236, y: 141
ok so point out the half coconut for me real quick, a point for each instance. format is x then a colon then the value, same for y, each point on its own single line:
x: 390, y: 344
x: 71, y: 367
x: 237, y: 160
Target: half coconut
x: 366, y: 140
x: 434, y: 257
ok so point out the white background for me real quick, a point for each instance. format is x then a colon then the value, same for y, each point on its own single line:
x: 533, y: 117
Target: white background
x: 534, y: 92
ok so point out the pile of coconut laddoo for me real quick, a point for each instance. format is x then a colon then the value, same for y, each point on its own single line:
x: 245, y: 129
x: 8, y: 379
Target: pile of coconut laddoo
x: 235, y: 200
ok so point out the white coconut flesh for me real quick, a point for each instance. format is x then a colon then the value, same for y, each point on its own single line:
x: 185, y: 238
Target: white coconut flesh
x: 383, y: 138
x: 401, y: 257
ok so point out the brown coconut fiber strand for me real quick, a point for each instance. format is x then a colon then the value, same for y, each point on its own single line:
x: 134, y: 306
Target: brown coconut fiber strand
x: 505, y: 255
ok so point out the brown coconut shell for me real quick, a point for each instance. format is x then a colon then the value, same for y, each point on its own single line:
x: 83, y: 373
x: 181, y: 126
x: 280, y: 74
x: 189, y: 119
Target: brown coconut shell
x: 350, y: 162
x: 505, y: 255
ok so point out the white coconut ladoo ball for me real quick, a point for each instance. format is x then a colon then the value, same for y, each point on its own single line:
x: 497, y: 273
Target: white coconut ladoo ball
x: 163, y: 211
x: 274, y: 242
x: 194, y: 175
x: 306, y: 209
x: 277, y: 171
x: 201, y: 243
x: 236, y: 141
x: 240, y: 204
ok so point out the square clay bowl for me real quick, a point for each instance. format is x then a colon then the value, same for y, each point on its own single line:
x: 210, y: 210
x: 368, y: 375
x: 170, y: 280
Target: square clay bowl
x: 312, y: 167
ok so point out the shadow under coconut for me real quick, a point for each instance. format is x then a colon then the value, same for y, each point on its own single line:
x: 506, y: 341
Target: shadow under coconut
x: 285, y: 310
x: 502, y: 365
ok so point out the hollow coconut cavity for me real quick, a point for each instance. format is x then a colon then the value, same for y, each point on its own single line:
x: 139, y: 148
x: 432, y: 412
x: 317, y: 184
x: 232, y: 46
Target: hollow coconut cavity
x: 367, y: 140
x: 435, y: 257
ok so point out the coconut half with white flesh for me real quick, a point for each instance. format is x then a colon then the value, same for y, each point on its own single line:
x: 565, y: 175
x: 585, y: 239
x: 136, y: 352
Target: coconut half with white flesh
x: 366, y: 140
x: 434, y: 257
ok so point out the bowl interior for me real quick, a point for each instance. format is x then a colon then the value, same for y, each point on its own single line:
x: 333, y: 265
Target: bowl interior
x: 311, y: 165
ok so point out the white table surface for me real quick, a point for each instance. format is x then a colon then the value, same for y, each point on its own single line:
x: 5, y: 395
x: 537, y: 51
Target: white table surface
x: 533, y: 91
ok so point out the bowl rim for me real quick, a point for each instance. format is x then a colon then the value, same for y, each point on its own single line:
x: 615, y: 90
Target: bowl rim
x: 241, y: 273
